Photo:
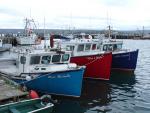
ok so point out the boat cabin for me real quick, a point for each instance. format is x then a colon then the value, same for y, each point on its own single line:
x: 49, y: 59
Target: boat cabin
x: 112, y: 46
x: 82, y: 47
x: 41, y: 61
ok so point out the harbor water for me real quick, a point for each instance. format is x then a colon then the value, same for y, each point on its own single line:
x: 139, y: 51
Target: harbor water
x: 124, y: 93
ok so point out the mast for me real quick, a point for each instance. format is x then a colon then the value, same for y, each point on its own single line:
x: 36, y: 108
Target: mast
x: 30, y: 26
x: 44, y: 35
x: 143, y: 32
x: 26, y: 26
x: 109, y: 32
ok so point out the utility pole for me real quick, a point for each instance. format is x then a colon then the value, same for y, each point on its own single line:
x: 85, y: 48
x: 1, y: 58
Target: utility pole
x: 143, y: 32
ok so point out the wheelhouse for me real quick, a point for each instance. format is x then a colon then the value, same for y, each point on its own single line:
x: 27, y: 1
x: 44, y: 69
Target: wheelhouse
x: 84, y: 48
x: 35, y: 59
x: 112, y: 46
x: 49, y: 59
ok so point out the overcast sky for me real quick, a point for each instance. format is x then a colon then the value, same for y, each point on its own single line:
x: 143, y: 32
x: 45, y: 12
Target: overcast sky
x: 76, y: 14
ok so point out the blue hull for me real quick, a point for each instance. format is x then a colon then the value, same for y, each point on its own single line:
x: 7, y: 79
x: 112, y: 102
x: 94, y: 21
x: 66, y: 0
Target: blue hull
x: 68, y: 83
x: 125, y: 61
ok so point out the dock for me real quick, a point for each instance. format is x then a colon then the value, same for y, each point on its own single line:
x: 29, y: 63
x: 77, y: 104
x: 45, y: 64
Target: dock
x: 9, y: 90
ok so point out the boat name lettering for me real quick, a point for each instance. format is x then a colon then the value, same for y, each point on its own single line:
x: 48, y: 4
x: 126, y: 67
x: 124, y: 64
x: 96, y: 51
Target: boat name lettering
x: 60, y: 76
x: 94, y: 58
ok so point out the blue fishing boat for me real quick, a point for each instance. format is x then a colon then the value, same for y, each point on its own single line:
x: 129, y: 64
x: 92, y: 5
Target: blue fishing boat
x: 68, y: 83
x: 125, y: 61
x: 122, y: 59
x: 46, y: 71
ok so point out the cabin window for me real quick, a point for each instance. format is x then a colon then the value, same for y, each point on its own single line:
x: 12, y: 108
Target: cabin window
x: 119, y: 46
x: 35, y: 60
x: 65, y: 57
x: 80, y: 48
x: 46, y: 59
x: 70, y: 48
x: 56, y: 58
x: 98, y: 46
x: 105, y: 48
x: 87, y: 47
x: 110, y: 47
x: 114, y: 47
x: 93, y: 46
x: 22, y: 59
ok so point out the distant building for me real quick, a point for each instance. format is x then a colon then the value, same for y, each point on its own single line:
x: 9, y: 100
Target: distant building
x: 146, y: 36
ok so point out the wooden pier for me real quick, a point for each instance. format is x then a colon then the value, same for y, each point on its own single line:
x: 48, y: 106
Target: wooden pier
x: 9, y: 90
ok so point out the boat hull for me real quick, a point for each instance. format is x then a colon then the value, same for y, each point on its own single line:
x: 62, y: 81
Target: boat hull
x: 27, y: 106
x: 125, y: 61
x: 66, y: 83
x: 97, y: 66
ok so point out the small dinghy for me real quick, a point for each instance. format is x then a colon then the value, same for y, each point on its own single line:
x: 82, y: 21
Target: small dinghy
x: 27, y: 106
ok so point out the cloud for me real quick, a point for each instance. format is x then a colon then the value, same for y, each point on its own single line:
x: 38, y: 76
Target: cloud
x: 116, y: 3
x: 95, y: 14
x: 10, y: 12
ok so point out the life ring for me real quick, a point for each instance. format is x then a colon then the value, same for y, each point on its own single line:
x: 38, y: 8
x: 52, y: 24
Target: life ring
x: 46, y: 100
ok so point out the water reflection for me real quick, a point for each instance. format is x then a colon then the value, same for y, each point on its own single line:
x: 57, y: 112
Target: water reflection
x: 94, y: 93
x: 123, y: 78
x: 101, y: 96
x: 123, y: 92
x: 96, y: 90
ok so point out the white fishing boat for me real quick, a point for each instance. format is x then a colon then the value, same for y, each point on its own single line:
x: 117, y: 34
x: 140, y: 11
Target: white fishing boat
x: 29, y: 36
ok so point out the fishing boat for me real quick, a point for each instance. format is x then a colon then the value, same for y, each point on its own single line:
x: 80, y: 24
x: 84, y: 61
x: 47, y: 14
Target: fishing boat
x: 87, y: 52
x: 27, y: 106
x: 28, y: 37
x: 124, y: 60
x: 46, y: 71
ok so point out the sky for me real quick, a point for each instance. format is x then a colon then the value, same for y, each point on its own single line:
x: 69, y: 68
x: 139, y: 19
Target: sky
x: 76, y: 14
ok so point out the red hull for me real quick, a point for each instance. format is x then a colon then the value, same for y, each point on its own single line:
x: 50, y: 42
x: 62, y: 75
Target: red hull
x: 97, y: 66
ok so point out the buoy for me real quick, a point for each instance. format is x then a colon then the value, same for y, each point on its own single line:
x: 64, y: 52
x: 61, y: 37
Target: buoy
x: 28, y: 78
x: 33, y: 94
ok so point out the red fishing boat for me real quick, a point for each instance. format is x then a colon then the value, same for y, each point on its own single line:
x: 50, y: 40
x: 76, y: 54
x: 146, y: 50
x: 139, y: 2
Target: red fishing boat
x: 87, y: 52
x: 97, y: 66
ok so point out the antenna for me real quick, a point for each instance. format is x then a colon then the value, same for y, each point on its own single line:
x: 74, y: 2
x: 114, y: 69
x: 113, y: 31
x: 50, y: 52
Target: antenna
x: 30, y: 12
x: 109, y: 32
x: 107, y: 19
x: 44, y: 35
x: 70, y: 24
x: 90, y: 24
x: 143, y: 32
x: 108, y: 24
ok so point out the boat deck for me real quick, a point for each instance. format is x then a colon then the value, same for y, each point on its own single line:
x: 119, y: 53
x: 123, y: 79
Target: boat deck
x: 9, y: 90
